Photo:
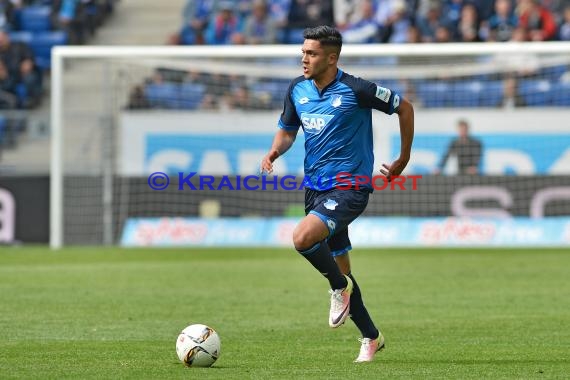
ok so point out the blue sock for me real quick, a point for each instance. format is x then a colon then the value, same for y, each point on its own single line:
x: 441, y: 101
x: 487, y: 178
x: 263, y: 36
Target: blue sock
x: 319, y: 255
x: 359, y: 314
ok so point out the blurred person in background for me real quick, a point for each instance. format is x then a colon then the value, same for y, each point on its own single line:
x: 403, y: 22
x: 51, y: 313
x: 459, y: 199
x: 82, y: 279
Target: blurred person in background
x: 392, y: 15
x: 502, y: 24
x: 430, y: 22
x: 19, y: 62
x: 519, y: 34
x: 137, y: 99
x: 564, y: 31
x: 538, y: 21
x: 466, y: 149
x: 468, y: 26
x: 310, y: 13
x: 8, y: 14
x: 366, y: 29
x: 259, y: 27
x: 279, y: 11
x: 223, y: 28
x: 196, y: 15
x: 8, y: 99
x: 69, y: 16
x: 349, y: 12
x: 443, y: 34
x: 452, y: 11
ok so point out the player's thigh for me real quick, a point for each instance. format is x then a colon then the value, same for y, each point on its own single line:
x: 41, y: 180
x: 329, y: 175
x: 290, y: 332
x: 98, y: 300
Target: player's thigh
x: 309, y: 231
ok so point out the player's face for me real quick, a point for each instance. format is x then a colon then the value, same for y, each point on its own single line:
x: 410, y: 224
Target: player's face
x: 316, y: 60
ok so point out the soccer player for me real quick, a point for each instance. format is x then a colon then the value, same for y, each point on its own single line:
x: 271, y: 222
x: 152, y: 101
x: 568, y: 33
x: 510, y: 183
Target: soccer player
x: 335, y: 111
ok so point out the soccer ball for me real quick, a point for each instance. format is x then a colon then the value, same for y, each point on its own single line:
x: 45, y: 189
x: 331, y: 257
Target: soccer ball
x: 198, y: 346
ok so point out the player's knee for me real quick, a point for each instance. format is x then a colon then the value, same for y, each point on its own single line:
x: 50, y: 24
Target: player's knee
x: 302, y: 240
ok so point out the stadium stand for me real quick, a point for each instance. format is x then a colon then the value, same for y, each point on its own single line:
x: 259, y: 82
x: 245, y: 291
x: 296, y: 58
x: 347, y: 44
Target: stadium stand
x: 32, y: 28
x: 29, y: 29
x: 224, y: 22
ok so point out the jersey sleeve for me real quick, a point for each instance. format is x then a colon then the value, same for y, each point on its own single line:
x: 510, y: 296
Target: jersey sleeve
x: 289, y: 120
x: 371, y: 95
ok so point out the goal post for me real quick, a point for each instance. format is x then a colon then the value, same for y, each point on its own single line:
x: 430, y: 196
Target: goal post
x: 104, y: 147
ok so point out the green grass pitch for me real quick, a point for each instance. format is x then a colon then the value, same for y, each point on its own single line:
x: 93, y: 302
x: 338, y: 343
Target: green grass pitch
x: 116, y: 313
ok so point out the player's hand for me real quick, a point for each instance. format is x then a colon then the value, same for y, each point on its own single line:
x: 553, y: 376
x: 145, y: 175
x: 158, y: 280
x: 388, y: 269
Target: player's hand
x: 267, y: 162
x: 395, y: 169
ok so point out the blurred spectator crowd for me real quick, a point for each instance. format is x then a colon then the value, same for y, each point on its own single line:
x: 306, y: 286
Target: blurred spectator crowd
x: 28, y: 31
x: 223, y: 22
x: 220, y: 22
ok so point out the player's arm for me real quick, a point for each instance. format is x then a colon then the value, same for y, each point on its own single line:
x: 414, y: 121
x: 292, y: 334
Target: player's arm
x: 371, y: 95
x: 281, y: 143
x: 405, y: 112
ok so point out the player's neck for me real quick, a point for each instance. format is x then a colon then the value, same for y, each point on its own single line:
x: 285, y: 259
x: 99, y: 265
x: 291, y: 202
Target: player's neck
x: 326, y: 79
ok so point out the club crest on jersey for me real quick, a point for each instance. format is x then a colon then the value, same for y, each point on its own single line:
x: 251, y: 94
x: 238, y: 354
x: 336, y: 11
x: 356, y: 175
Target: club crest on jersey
x: 314, y: 123
x: 336, y: 100
x: 330, y: 204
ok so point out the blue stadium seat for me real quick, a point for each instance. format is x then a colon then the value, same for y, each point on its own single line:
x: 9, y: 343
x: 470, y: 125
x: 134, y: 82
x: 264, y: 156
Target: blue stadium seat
x: 491, y: 93
x: 561, y: 94
x: 434, y: 94
x: 42, y: 43
x: 466, y: 94
x: 191, y: 95
x: 163, y: 95
x: 22, y: 36
x: 536, y: 93
x: 35, y: 18
x: 552, y: 73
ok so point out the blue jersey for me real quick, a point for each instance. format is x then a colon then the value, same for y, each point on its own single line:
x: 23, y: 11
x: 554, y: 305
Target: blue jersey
x: 337, y: 123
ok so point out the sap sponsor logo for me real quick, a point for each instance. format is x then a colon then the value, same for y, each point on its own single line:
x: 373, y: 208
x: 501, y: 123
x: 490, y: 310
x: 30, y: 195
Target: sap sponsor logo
x: 315, y: 123
x: 304, y: 100
x: 383, y: 94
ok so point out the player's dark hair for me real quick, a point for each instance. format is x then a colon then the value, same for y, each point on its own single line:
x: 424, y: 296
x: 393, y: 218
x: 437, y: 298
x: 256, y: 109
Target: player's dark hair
x: 326, y: 35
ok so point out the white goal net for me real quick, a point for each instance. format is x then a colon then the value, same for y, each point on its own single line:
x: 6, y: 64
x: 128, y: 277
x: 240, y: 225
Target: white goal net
x: 121, y: 114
